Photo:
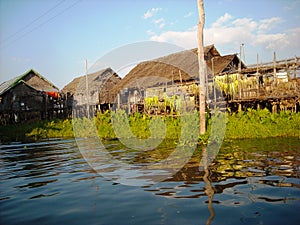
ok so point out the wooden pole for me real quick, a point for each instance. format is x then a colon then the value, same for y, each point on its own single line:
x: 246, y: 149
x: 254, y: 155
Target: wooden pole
x: 240, y: 72
x: 202, y: 67
x: 257, y: 77
x: 87, y: 90
x: 214, y: 82
x: 180, y: 77
x: 274, y: 68
x: 173, y: 83
x: 295, y: 66
x: 118, y: 101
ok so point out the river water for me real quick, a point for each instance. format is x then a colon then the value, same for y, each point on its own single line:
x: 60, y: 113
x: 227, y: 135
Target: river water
x: 250, y: 182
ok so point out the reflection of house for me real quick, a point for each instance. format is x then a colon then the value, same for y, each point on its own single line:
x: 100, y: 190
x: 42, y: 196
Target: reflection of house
x: 174, y: 75
x: 97, y: 85
x: 28, y: 97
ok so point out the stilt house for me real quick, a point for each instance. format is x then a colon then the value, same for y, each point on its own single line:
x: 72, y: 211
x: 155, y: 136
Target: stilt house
x: 28, y: 97
x: 92, y: 92
x: 174, y: 76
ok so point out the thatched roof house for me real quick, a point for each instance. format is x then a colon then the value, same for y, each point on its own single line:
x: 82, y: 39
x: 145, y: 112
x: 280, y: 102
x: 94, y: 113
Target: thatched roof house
x: 32, y: 79
x: 224, y: 64
x: 98, y: 85
x: 178, y: 67
x: 28, y: 96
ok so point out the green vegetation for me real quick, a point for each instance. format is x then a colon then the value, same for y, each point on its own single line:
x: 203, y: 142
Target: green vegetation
x: 172, y: 103
x: 248, y: 124
x: 262, y: 124
x: 36, y: 131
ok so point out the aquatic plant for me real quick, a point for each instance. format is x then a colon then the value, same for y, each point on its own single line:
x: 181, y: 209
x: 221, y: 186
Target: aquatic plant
x: 248, y: 124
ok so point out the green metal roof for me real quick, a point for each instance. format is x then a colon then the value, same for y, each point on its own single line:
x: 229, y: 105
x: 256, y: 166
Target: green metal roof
x: 7, y: 85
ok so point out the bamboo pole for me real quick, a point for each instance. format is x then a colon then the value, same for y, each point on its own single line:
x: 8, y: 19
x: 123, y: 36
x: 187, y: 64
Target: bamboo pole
x: 214, y: 82
x: 119, y: 100
x: 87, y: 90
x: 240, y: 72
x: 274, y: 68
x: 257, y: 77
x: 180, y: 77
x: 202, y: 67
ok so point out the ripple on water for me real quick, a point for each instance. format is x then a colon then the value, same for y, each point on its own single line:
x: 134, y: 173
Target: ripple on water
x: 50, y: 182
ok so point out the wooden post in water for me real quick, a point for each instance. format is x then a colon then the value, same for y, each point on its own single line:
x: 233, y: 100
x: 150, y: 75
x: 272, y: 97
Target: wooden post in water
x: 202, y: 67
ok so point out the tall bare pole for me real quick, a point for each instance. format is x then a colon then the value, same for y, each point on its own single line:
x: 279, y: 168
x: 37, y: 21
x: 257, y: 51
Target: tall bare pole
x: 202, y: 67
x: 87, y: 90
x: 274, y: 68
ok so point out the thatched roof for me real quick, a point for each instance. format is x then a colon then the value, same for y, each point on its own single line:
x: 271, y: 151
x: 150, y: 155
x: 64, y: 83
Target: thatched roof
x: 32, y: 79
x: 178, y: 67
x: 223, y: 64
x: 100, y: 83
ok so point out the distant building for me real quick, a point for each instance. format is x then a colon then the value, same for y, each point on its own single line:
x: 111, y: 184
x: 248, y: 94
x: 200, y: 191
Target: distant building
x: 28, y: 97
x: 92, y: 91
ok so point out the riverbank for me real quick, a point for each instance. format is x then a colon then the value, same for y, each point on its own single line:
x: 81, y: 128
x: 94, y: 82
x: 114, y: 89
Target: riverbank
x: 248, y: 124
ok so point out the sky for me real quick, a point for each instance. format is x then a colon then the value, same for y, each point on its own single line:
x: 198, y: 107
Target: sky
x: 55, y: 37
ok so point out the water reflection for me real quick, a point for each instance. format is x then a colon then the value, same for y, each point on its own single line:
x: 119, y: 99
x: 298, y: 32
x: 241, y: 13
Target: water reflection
x: 245, y: 178
x: 243, y: 175
x: 209, y: 191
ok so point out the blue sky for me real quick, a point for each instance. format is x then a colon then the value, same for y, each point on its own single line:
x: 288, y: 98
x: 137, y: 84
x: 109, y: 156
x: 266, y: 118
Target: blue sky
x: 54, y: 37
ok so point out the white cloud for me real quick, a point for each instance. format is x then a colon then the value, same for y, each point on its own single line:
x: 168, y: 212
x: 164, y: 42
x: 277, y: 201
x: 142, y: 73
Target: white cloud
x: 222, y: 20
x: 186, y: 39
x: 150, y: 32
x: 159, y: 22
x: 271, y: 41
x: 228, y: 33
x: 151, y: 12
x: 189, y: 14
x: 294, y: 36
x: 268, y: 24
x: 162, y: 25
x: 245, y: 23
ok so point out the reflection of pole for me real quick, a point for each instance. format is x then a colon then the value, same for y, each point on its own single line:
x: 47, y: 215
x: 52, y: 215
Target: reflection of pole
x: 209, y: 191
